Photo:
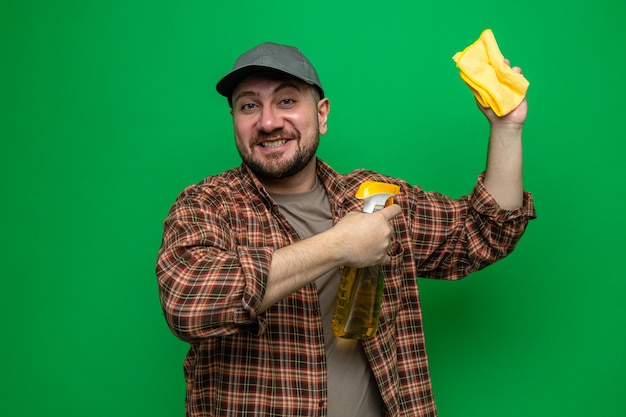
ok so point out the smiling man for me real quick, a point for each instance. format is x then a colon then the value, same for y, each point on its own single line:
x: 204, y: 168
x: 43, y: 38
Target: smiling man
x: 250, y: 260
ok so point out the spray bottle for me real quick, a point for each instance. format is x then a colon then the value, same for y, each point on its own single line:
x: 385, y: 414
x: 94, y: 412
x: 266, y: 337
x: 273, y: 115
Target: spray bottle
x: 357, y: 305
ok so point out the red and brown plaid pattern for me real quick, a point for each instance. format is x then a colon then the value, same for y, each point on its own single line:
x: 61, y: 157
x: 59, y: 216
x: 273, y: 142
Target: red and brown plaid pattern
x: 217, y: 246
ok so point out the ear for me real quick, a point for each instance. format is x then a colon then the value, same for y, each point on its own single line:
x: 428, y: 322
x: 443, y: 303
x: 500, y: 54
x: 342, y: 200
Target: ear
x: 323, y: 108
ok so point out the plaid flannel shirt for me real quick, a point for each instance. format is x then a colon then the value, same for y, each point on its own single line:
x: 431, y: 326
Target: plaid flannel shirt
x: 217, y: 246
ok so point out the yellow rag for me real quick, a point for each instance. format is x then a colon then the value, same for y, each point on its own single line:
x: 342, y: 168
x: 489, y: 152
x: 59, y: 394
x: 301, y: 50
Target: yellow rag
x: 492, y: 81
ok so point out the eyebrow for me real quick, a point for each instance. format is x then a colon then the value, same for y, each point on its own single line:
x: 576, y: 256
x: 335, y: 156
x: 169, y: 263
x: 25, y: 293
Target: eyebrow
x: 281, y: 86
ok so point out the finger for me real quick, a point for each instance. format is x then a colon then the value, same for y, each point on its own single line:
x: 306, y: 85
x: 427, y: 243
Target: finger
x: 516, y: 69
x: 391, y: 211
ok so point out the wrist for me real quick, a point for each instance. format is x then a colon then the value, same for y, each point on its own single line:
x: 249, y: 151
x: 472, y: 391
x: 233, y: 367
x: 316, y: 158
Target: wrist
x: 505, y: 129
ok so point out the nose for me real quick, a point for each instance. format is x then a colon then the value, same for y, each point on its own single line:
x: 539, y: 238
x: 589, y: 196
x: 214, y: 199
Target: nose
x: 269, y: 119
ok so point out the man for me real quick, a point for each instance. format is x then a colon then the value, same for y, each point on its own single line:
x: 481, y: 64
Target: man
x: 250, y: 259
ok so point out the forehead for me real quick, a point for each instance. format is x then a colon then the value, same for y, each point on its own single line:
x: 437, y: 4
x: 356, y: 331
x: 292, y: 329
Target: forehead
x: 269, y: 82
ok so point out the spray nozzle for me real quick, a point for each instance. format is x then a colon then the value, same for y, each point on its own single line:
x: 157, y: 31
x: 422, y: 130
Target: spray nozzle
x: 376, y: 195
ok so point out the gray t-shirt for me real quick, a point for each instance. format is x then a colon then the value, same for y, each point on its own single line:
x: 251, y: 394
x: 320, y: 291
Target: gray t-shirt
x: 352, y: 389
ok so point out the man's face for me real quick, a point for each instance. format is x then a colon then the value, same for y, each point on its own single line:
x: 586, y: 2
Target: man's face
x: 277, y: 124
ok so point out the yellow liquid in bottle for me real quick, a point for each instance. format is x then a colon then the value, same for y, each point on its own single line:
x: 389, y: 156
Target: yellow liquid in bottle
x: 358, y: 303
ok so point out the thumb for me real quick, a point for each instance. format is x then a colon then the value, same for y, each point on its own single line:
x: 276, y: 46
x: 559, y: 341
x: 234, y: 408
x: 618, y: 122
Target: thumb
x: 391, y: 212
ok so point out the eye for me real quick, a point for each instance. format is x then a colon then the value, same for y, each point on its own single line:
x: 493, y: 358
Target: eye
x: 287, y: 102
x: 247, y: 107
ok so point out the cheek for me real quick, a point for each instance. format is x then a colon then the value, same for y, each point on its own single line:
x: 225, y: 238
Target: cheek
x: 303, y: 122
x: 242, y: 144
x: 241, y: 131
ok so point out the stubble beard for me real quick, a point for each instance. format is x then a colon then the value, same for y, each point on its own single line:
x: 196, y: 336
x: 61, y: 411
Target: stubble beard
x: 278, y: 169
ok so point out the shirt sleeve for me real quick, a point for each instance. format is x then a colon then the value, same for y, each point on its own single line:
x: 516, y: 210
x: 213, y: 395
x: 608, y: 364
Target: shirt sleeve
x: 209, y: 284
x: 455, y: 237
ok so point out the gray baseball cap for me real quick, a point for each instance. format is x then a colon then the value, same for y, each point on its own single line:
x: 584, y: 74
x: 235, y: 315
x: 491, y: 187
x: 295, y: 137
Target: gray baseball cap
x: 273, y: 57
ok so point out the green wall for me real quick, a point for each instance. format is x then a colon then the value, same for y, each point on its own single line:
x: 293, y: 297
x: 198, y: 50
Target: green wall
x: 108, y: 109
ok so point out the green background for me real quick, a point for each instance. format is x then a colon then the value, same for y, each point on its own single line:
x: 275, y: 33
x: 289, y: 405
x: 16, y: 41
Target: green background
x: 108, y: 109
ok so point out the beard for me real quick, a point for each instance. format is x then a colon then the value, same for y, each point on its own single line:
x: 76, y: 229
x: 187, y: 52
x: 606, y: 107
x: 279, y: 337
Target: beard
x: 277, y: 168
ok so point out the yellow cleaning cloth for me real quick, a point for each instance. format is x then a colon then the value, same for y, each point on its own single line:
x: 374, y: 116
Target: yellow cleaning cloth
x: 493, y: 83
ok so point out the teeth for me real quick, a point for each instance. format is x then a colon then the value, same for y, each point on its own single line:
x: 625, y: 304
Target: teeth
x: 274, y: 143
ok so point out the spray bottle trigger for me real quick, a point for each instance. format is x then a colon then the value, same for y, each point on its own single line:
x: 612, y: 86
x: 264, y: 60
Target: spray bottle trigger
x: 376, y: 195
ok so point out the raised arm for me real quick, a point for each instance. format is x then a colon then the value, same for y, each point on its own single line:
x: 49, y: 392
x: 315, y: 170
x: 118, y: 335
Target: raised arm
x: 503, y: 176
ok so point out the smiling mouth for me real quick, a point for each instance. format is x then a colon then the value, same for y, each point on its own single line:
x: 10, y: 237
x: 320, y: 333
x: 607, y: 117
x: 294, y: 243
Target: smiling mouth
x: 273, y: 143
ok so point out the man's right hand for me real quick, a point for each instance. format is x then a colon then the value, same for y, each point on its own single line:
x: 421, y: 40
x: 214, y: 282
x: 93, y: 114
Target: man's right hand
x: 364, y: 239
